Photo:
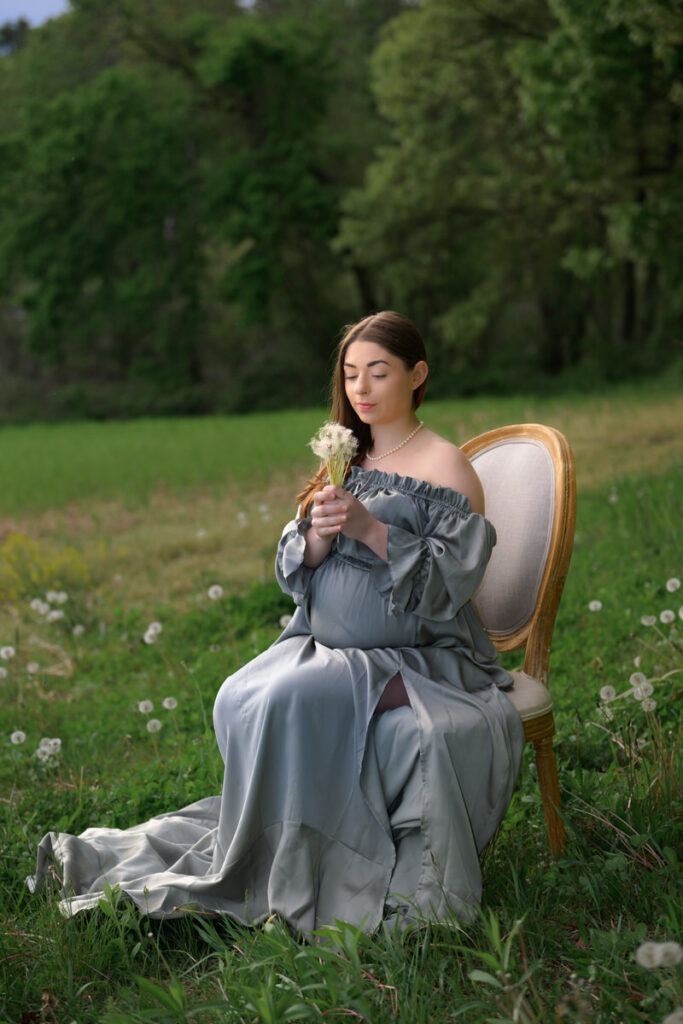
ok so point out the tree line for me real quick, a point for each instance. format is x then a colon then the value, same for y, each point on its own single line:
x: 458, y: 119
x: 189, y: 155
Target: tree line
x: 195, y: 196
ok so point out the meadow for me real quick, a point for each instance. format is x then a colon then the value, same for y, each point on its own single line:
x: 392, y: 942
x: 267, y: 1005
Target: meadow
x: 106, y: 528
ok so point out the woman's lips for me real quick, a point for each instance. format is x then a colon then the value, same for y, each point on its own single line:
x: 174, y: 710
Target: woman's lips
x: 364, y: 406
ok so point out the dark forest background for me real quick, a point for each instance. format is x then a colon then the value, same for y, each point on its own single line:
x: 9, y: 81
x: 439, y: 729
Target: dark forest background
x: 195, y: 197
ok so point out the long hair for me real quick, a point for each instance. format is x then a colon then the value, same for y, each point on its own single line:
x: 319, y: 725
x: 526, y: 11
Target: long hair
x: 401, y: 338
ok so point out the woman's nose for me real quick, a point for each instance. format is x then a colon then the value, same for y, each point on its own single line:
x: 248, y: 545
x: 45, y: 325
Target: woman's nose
x: 361, y: 384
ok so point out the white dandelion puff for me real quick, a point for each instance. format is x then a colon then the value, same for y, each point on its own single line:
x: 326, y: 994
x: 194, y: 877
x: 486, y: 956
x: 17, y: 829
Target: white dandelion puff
x: 643, y: 690
x: 613, y: 497
x: 336, y: 446
x: 52, y: 596
x: 594, y: 606
x: 285, y: 621
x: 215, y: 592
x: 666, y: 616
x: 153, y: 725
x: 55, y: 615
x: 54, y: 746
x: 648, y: 955
x: 43, y: 754
x: 637, y: 661
x: 607, y: 694
x: 78, y: 629
x: 61, y: 597
x: 3, y: 672
x: 7, y: 652
x: 670, y: 954
x: 636, y: 679
x: 680, y: 612
x: 18, y: 737
x: 673, y: 584
x: 648, y: 704
x: 155, y: 627
x: 170, y: 703
x: 32, y: 668
x: 648, y: 620
x: 150, y: 637
x: 201, y: 534
x: 145, y: 706
x: 606, y: 713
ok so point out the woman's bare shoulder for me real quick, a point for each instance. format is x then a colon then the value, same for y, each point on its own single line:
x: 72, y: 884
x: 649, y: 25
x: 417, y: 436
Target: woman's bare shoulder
x: 445, y: 465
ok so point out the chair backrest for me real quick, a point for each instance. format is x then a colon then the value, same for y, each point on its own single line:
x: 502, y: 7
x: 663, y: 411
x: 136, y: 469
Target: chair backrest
x: 527, y: 472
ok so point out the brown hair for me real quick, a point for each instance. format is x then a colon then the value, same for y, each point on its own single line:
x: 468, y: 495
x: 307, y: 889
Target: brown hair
x: 401, y: 338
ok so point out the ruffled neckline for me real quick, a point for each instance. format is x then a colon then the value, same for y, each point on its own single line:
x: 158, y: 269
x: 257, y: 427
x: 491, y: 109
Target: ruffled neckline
x: 378, y: 480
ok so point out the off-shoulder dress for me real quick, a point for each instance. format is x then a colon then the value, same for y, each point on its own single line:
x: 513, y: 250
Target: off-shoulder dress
x: 330, y: 810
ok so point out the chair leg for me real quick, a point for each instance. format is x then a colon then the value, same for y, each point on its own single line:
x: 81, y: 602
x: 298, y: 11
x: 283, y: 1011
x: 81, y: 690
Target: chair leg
x: 550, y: 792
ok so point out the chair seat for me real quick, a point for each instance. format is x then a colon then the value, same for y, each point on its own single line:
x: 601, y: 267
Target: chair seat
x: 531, y: 698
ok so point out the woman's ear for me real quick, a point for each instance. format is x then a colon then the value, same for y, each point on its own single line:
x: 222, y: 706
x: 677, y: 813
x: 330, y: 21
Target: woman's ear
x: 419, y: 373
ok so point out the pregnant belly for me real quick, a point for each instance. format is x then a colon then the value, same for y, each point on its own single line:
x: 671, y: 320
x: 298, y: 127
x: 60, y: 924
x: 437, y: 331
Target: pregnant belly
x: 347, y: 610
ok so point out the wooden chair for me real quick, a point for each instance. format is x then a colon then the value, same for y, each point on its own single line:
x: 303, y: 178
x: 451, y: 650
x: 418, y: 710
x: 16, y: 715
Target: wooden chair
x: 527, y: 472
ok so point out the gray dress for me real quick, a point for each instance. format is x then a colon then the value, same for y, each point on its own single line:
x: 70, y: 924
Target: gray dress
x: 329, y: 810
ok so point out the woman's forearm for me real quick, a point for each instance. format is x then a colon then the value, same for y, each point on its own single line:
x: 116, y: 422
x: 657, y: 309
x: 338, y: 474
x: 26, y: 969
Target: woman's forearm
x: 316, y: 548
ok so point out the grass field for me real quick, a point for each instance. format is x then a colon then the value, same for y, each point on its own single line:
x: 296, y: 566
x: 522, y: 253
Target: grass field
x: 134, y: 522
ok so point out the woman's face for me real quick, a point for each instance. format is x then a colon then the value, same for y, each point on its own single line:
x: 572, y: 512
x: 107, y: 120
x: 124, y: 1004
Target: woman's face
x: 378, y: 384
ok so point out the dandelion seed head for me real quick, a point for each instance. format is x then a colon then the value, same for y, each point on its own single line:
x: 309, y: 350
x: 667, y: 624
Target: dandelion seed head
x: 215, y: 592
x: 150, y: 638
x: 78, y: 630
x: 648, y: 955
x: 648, y: 704
x: 61, y: 597
x: 3, y: 672
x: 605, y: 713
x: 594, y: 606
x: 636, y: 679
x: 170, y: 703
x: 666, y: 616
x: 145, y: 706
x: 643, y: 690
x: 7, y: 652
x: 648, y: 620
x: 18, y: 737
x: 673, y: 584
x: 153, y: 725
x: 607, y: 694
x: 613, y: 497
x: 51, y: 597
x: 54, y: 746
x: 155, y: 627
x: 201, y: 534
x: 637, y: 661
x: 285, y: 621
x: 32, y: 668
x: 670, y: 954
x: 43, y: 754
x: 54, y: 615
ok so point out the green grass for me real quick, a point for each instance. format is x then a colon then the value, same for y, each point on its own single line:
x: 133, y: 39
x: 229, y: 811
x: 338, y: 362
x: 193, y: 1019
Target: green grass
x: 556, y: 939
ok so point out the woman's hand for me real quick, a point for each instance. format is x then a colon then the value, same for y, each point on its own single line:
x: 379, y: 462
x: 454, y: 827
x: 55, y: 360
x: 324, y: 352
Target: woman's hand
x: 336, y: 510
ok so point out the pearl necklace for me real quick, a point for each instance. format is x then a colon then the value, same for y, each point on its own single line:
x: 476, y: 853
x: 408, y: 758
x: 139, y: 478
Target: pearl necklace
x: 376, y: 458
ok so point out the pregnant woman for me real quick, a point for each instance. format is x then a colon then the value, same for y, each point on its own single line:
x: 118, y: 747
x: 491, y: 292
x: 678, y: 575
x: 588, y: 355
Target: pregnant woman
x: 370, y: 753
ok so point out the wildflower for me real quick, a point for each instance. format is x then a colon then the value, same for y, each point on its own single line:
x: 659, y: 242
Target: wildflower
x: 7, y: 653
x: 55, y: 615
x: 215, y: 592
x: 39, y: 606
x: 637, y: 661
x: 605, y: 713
x: 607, y: 694
x: 78, y: 630
x: 170, y: 703
x: 666, y: 616
x: 637, y: 679
x: 680, y: 612
x: 145, y: 706
x: 153, y: 725
x: 670, y: 954
x: 42, y: 754
x: 648, y: 620
x: 649, y: 704
x: 18, y: 737
x: 150, y: 637
x: 285, y: 621
x: 3, y: 672
x: 155, y: 627
x: 61, y: 597
x: 51, y: 597
x: 648, y: 955
x: 32, y: 668
x: 613, y: 497
x: 594, y: 606
x: 201, y: 534
x: 673, y: 584
x: 643, y: 690
x: 54, y: 746
x: 336, y: 446
x: 242, y: 517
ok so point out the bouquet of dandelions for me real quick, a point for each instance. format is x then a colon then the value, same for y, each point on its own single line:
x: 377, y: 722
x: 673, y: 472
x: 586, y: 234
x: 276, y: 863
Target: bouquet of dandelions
x: 336, y: 446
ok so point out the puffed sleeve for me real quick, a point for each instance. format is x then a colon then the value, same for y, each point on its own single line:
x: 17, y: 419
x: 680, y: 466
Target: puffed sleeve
x: 434, y: 573
x: 293, y: 576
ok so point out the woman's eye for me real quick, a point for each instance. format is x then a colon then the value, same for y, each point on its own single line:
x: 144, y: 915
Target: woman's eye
x: 379, y: 376
x: 349, y: 378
